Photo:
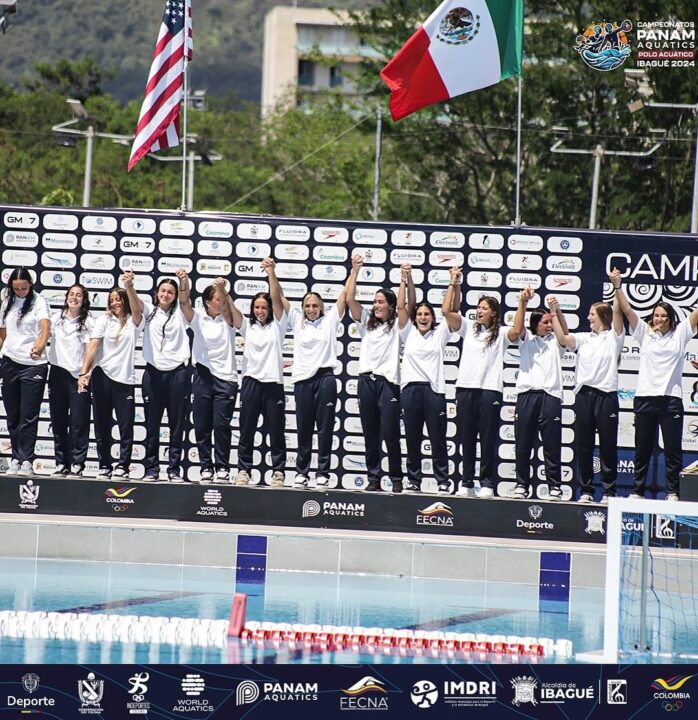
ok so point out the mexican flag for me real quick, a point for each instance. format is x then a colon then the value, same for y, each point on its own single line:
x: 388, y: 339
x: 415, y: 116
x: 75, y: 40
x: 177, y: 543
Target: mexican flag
x: 464, y: 45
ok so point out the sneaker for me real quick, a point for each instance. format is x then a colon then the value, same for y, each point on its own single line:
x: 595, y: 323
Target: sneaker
x: 586, y: 498
x: 206, y: 476
x: 104, y: 473
x: 277, y: 479
x: 397, y: 487
x: 464, y: 491
x: 555, y: 494
x: 485, y: 492
x: 175, y: 477
x: 521, y: 492
x: 322, y: 481
x: 373, y: 486
x: 242, y: 478
x: 151, y: 476
x: 222, y: 477
x: 119, y: 473
x: 26, y: 469
x: 13, y: 467
x: 444, y: 489
x: 77, y: 470
x: 61, y: 471
x: 411, y: 487
x: 636, y: 496
x: 604, y: 499
x: 672, y: 497
x: 301, y: 481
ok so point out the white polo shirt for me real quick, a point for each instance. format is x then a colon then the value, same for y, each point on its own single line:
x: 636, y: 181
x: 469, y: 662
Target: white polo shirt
x: 379, y: 351
x: 661, y: 359
x: 315, y: 343
x: 262, y: 358
x: 541, y: 367
x: 20, y: 337
x: 482, y: 367
x: 117, y: 351
x: 68, y: 342
x: 214, y: 345
x: 165, y: 340
x: 597, y: 359
x: 423, y: 356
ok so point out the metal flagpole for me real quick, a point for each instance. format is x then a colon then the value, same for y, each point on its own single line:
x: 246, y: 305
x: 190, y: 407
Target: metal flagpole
x: 377, y: 165
x: 184, y: 128
x: 517, y: 215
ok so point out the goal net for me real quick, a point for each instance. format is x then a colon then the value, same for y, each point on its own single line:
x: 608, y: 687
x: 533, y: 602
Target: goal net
x: 651, y: 593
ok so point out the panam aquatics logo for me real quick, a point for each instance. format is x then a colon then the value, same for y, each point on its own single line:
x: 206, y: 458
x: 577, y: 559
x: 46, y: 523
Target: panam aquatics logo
x: 604, y: 45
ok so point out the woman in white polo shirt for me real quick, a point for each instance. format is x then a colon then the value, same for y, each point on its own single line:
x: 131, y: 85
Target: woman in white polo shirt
x: 166, y: 379
x: 539, y: 400
x: 379, y: 375
x: 480, y: 383
x: 658, y: 399
x: 314, y: 383
x: 109, y: 367
x: 596, y: 392
x: 71, y: 330
x: 262, y: 389
x: 215, y: 386
x: 24, y: 331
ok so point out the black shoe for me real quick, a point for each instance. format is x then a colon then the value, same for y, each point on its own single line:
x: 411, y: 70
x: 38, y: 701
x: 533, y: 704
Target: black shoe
x: 373, y: 486
x: 397, y: 487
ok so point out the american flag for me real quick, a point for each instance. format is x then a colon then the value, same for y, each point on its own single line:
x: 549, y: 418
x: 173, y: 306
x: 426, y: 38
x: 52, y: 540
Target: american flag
x: 158, y: 124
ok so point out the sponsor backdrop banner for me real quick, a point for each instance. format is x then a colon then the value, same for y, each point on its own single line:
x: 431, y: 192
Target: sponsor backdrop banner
x: 329, y: 691
x: 93, y: 247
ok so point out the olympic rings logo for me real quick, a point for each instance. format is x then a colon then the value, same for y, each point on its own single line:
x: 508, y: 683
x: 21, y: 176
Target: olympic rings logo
x: 118, y: 508
x: 672, y: 707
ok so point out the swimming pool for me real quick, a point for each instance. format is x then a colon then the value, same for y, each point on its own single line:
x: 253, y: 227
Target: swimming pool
x: 285, y: 597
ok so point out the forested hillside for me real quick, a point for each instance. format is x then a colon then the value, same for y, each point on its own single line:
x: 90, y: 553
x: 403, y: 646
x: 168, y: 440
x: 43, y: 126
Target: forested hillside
x: 228, y: 38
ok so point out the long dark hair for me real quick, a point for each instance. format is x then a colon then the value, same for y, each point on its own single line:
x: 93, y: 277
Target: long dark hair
x: 84, y: 308
x: 493, y: 330
x: 20, y: 273
x: 429, y: 307
x: 372, y: 323
x: 669, y: 311
x: 536, y: 317
x: 170, y: 310
x: 270, y: 315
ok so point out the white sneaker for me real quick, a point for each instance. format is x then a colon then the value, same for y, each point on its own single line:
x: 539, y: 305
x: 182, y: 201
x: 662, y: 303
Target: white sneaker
x: 277, y: 479
x: 586, y: 498
x: 222, y: 477
x: 485, y: 492
x: 104, y: 473
x: 465, y: 491
x: 175, y: 477
x: 242, y: 478
x: 604, y: 499
x: 77, y: 470
x: 555, y: 494
x: 636, y: 496
x: 61, y: 471
x: 672, y: 497
x: 26, y: 469
x: 322, y: 481
x: 206, y: 476
x: 119, y: 473
x: 520, y: 492
x: 13, y: 467
x: 301, y: 481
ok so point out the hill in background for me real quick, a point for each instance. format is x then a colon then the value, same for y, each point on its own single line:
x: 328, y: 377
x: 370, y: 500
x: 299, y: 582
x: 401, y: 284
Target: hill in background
x: 228, y: 41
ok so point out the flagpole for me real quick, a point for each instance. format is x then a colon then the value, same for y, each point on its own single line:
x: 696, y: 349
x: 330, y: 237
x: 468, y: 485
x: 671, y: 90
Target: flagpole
x: 184, y: 130
x: 517, y: 216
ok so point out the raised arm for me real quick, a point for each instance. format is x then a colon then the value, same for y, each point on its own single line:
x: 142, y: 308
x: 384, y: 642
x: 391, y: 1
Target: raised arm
x: 563, y: 338
x: 630, y: 314
x: 350, y: 288
x: 406, y: 296
x: 450, y: 308
x: 278, y: 299
x: 235, y: 314
x: 617, y: 312
x: 127, y: 280
x: 518, y: 329
x: 185, y: 295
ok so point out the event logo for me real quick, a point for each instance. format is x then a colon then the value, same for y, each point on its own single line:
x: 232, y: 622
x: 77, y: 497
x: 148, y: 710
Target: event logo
x: 470, y: 693
x: 21, y: 220
x: 616, y: 692
x: 100, y: 262
x: 90, y: 691
x: 248, y: 692
x: 595, y: 522
x: 177, y: 227
x: 60, y: 222
x: 424, y: 694
x: 137, y: 690
x: 666, y: 43
x: 29, y: 495
x: 58, y: 260
x: 30, y: 683
x: 176, y: 246
x: 331, y: 235
x: 559, y: 692
x: 118, y: 498
x: 211, y: 229
x: 101, y: 243
x: 99, y: 223
x: 20, y: 239
x: 212, y: 508
x: 534, y: 526
x: 140, y: 226
x: 366, y: 694
x: 451, y: 240
x: 671, y: 689
x: 59, y: 241
x: 370, y: 236
x: 524, y: 690
x: 253, y: 231
x: 295, y: 232
x: 437, y: 513
x: 483, y: 260
x: 312, y: 508
x: 458, y: 26
x: 193, y: 685
x: 409, y: 238
x: 604, y: 45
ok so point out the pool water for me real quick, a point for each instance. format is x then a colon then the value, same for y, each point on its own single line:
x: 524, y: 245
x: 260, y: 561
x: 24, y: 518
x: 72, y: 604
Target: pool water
x: 291, y: 597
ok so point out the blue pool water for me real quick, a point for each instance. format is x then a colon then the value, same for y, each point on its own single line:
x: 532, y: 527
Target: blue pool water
x: 290, y: 597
